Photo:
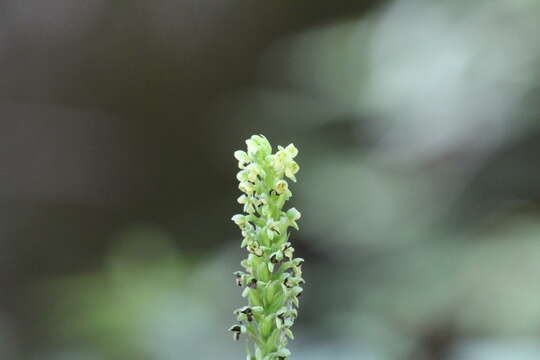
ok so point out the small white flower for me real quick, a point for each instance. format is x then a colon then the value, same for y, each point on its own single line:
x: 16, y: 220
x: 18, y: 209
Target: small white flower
x: 292, y: 150
x: 242, y: 157
x: 281, y: 159
x: 255, y: 249
x: 246, y: 187
x: 253, y: 171
x: 247, y: 202
x: 237, y: 330
x: 272, y: 229
x: 252, y: 147
x: 258, y: 143
x: 242, y: 199
x: 239, y: 219
x: 242, y: 175
x: 294, y: 214
x: 291, y: 169
x: 284, y: 352
x: 249, y: 208
x: 263, y: 199
x: 281, y: 187
x: 288, y: 250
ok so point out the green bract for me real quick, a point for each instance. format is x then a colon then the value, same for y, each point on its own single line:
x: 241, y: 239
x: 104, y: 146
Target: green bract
x: 273, y: 277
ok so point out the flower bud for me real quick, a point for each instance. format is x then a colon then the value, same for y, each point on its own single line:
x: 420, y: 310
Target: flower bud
x: 241, y: 156
x: 258, y: 143
x: 293, y: 214
x: 242, y: 199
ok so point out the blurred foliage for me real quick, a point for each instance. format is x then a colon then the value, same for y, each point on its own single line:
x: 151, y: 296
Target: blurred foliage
x: 418, y: 124
x: 146, y: 302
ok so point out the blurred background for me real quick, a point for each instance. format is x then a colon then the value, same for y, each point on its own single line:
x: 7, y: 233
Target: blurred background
x: 419, y: 135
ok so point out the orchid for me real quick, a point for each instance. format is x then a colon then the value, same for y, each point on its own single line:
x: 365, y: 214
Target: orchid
x: 272, y: 279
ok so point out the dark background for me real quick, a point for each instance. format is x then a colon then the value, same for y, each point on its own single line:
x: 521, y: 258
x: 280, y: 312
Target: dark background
x: 417, y: 124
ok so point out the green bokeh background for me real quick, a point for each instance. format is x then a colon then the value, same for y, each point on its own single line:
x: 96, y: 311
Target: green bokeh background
x: 419, y: 135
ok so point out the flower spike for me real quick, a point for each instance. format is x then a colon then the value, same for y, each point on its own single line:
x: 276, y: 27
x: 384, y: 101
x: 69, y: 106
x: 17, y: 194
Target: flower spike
x: 273, y: 277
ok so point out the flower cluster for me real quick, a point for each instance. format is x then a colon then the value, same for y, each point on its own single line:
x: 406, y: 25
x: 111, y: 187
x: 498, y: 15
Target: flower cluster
x: 272, y: 279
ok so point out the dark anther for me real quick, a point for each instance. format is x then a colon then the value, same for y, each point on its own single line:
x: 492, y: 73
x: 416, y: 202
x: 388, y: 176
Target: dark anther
x: 286, y: 283
x: 237, y: 331
x: 238, y: 279
x: 253, y: 284
x: 249, y: 314
x: 273, y: 259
